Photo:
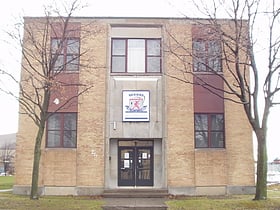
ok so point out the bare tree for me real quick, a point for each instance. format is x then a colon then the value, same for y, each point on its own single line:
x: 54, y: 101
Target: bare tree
x: 7, y: 154
x: 242, y: 75
x: 43, y: 71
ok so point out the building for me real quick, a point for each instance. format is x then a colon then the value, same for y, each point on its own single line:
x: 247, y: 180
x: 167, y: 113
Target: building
x: 138, y: 127
x: 273, y: 171
x: 7, y: 154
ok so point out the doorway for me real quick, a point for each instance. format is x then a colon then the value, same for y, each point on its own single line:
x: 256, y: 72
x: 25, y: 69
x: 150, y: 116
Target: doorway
x: 135, y: 163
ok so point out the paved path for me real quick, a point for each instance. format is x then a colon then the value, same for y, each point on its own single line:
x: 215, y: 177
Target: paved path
x: 7, y: 190
x: 133, y: 203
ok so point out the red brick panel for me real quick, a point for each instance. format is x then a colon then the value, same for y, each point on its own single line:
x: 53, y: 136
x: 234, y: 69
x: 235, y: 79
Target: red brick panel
x: 208, y: 94
x: 73, y: 30
x: 64, y: 90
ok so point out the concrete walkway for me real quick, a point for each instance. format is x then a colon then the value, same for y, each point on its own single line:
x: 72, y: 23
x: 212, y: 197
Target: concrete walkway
x: 134, y: 203
x: 7, y: 190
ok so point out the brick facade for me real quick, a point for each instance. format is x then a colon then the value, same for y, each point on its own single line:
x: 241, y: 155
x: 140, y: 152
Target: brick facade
x: 92, y: 166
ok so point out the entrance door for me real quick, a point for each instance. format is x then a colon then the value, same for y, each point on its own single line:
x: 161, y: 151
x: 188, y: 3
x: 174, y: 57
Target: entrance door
x: 135, y: 166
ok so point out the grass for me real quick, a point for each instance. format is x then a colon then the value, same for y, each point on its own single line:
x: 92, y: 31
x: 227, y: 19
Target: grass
x: 240, y: 202
x: 237, y: 202
x: 6, y: 182
x: 16, y: 202
x: 232, y: 203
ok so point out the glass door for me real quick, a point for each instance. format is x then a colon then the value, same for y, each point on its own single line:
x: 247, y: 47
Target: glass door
x: 144, y: 167
x: 135, y: 165
x: 126, y: 168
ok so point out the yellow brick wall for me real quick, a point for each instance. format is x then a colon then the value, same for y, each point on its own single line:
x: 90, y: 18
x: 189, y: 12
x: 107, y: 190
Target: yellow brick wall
x: 27, y: 129
x: 185, y: 165
x: 210, y: 167
x: 239, y: 146
x: 59, y: 167
x: 83, y: 166
x: 179, y: 116
x: 91, y: 122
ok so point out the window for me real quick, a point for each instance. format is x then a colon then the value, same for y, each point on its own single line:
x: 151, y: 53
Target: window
x: 136, y: 55
x: 65, y: 54
x: 207, y: 55
x: 209, y: 131
x: 62, y: 130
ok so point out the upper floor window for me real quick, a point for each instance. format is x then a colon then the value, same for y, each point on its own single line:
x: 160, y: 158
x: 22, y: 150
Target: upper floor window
x: 62, y: 130
x: 65, y: 54
x: 207, y: 55
x: 209, y: 130
x: 136, y: 56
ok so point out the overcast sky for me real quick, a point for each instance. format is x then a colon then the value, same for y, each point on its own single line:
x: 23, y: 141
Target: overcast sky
x: 13, y: 10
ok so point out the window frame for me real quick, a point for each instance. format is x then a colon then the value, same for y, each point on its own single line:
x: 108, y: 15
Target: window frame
x: 206, y: 56
x: 147, y: 56
x: 64, y: 52
x: 61, y: 130
x: 210, y: 131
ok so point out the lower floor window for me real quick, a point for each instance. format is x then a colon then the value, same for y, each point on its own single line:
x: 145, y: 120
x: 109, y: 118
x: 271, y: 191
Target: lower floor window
x: 62, y: 130
x: 209, y: 130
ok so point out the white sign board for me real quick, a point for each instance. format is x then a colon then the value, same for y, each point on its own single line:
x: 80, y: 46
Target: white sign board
x: 136, y: 105
x: 126, y: 164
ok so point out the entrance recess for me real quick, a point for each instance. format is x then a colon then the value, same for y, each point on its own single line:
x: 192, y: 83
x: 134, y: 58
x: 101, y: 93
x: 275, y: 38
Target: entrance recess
x: 135, y: 163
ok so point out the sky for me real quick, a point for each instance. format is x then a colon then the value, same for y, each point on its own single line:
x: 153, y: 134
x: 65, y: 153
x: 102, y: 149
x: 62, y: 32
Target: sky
x: 11, y: 14
x: 12, y: 11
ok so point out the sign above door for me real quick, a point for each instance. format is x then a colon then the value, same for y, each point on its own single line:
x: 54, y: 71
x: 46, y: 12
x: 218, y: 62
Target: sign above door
x: 136, y: 105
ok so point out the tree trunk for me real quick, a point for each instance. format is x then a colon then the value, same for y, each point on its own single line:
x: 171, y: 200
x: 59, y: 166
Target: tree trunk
x: 261, y: 186
x: 36, y: 161
x: 5, y: 167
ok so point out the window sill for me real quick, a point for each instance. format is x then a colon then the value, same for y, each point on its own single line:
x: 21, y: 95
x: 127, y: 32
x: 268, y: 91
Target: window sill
x: 208, y: 149
x: 60, y: 148
x: 67, y: 72
x: 208, y: 72
x: 136, y: 74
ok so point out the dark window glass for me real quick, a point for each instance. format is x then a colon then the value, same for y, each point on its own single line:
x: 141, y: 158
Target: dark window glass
x: 59, y: 63
x: 153, y: 55
x: 209, y: 130
x: 118, y: 55
x: 62, y: 130
x: 201, y: 139
x: 136, y: 56
x: 207, y: 55
x: 65, y: 54
x: 214, y: 55
x: 118, y: 64
x: 153, y: 47
x: 217, y: 139
x: 72, y: 63
x: 119, y: 47
x: 56, y: 46
x: 153, y: 64
x: 54, y: 122
x: 73, y: 46
x: 53, y: 138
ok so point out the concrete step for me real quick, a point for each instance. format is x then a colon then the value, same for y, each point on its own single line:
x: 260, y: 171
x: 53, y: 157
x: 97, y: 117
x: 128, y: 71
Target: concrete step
x: 135, y: 193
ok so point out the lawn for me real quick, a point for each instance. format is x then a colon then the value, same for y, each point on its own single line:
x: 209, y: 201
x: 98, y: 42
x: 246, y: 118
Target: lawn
x: 237, y: 202
x: 230, y: 203
x: 241, y: 202
x: 6, y: 182
x: 16, y: 202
